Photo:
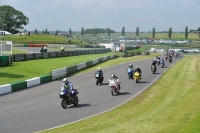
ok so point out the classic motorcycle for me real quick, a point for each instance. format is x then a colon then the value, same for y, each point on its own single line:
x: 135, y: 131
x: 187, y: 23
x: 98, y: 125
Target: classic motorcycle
x: 99, y: 78
x: 166, y: 57
x: 158, y: 61
x: 162, y: 64
x: 170, y: 60
x: 130, y: 73
x: 114, y: 86
x: 153, y: 69
x: 137, y: 77
x: 67, y: 98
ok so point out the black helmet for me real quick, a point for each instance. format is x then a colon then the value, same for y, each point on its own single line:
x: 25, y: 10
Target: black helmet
x: 113, y: 75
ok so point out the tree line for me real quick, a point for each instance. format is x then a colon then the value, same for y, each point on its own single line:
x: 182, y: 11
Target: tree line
x: 12, y: 20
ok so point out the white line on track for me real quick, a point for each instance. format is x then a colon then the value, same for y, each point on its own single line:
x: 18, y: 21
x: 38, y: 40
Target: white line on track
x: 117, y: 105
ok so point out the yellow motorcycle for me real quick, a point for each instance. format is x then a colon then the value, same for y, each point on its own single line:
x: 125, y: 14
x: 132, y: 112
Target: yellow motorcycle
x: 137, y: 77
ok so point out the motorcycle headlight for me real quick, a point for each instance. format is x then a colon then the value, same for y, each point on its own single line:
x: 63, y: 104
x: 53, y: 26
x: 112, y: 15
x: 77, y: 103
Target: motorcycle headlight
x: 61, y: 93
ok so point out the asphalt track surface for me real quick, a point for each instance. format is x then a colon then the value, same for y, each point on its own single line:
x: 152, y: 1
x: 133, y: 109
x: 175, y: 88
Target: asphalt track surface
x: 38, y: 108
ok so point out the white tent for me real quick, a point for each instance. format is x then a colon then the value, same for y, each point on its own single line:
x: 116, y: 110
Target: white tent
x: 6, y: 33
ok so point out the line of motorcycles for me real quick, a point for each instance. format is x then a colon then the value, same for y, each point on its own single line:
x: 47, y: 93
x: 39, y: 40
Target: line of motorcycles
x: 161, y: 63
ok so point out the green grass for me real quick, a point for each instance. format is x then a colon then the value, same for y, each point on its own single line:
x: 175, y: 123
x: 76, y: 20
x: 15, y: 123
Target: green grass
x: 170, y: 106
x: 33, y: 68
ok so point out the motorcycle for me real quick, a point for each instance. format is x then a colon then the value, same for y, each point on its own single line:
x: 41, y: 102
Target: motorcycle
x: 153, y: 69
x: 158, y: 60
x: 170, y: 60
x: 130, y: 73
x: 162, y: 64
x: 166, y: 57
x: 99, y: 78
x: 67, y: 98
x: 114, y: 86
x: 137, y: 76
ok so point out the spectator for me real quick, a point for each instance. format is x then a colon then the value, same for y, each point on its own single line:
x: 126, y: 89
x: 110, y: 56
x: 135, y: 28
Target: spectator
x: 45, y: 48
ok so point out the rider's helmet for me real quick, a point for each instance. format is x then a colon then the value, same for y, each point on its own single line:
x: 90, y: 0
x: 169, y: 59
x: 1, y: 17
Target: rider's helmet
x: 99, y: 69
x: 113, y: 75
x: 130, y: 65
x: 65, y: 80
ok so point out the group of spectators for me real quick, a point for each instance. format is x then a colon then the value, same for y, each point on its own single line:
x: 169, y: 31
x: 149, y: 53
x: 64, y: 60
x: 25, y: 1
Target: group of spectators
x: 2, y: 33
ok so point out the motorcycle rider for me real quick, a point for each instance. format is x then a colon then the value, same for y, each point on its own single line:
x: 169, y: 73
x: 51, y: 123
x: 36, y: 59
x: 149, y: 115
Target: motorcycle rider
x: 162, y: 60
x: 69, y: 86
x: 114, y: 77
x: 100, y: 72
x: 170, y: 57
x: 154, y: 63
x: 131, y: 66
x: 137, y: 69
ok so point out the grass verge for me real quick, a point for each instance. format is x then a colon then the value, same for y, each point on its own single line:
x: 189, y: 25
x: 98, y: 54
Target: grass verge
x: 169, y: 106
x: 33, y: 68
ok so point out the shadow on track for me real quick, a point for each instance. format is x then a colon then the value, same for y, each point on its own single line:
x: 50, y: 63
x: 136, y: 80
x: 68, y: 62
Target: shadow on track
x: 144, y: 82
x: 157, y: 73
x: 80, y: 105
x: 105, y: 84
x: 123, y: 93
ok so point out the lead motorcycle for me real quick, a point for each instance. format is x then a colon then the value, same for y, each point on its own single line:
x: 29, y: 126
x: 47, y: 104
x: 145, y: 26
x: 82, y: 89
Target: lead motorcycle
x: 114, y: 86
x: 99, y: 78
x: 67, y: 98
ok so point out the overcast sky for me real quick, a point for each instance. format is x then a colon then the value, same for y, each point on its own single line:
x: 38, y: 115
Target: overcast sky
x: 114, y: 14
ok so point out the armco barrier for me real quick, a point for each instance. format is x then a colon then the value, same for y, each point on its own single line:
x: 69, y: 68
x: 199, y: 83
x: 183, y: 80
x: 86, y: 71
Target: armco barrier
x: 5, y: 89
x: 71, y: 69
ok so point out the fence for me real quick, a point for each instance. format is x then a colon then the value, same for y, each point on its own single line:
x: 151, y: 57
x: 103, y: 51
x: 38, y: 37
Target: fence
x: 56, y: 54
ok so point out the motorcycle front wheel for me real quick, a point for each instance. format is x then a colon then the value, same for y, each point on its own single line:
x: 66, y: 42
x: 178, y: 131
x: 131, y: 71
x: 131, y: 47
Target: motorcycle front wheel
x: 97, y: 81
x: 113, y: 92
x: 64, y: 103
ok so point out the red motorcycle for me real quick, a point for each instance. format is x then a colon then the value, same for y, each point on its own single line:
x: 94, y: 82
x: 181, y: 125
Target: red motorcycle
x: 114, y: 86
x: 166, y: 57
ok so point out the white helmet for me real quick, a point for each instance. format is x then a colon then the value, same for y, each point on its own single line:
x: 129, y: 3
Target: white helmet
x: 65, y: 80
x: 99, y: 68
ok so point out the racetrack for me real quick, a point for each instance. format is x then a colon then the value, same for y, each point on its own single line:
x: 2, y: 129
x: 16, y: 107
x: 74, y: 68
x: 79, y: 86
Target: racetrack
x: 39, y: 108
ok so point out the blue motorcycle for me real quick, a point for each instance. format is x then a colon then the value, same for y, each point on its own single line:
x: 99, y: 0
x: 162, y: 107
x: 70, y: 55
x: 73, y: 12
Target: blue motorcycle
x: 130, y: 73
x: 67, y: 98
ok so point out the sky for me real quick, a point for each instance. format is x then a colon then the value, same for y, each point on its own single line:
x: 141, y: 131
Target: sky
x: 113, y: 14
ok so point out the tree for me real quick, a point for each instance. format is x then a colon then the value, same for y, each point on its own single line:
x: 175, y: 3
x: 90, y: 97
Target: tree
x: 12, y: 20
x: 56, y: 32
x: 123, y: 31
x: 170, y: 33
x: 35, y: 31
x: 70, y: 32
x: 153, y: 33
x: 137, y: 31
x: 82, y: 31
x: 108, y: 32
x: 186, y: 32
x: 24, y: 30
x: 199, y: 34
x: 95, y: 31
x: 46, y: 31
